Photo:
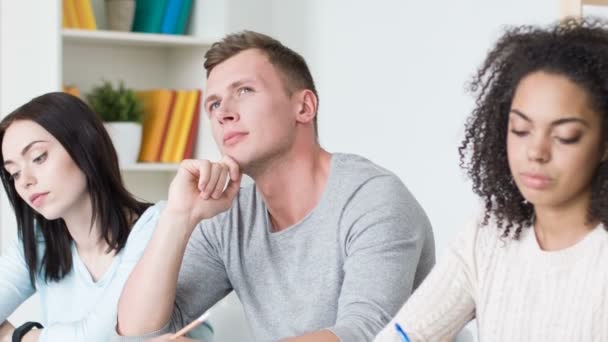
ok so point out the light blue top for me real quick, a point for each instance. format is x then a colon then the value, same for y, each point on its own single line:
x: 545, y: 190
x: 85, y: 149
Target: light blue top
x: 76, y: 308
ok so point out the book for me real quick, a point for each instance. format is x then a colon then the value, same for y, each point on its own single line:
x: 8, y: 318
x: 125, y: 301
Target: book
x: 184, y: 16
x: 84, y: 12
x: 171, y: 16
x: 184, y: 128
x: 165, y: 129
x: 157, y: 109
x: 69, y: 8
x: 148, y: 15
x: 64, y: 15
x: 72, y: 90
x: 173, y: 128
x: 193, y: 134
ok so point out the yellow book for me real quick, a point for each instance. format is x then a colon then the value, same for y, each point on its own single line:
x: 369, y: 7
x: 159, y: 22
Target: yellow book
x: 84, y: 11
x: 71, y: 16
x: 157, y: 110
x: 174, y: 124
x: 64, y: 16
x: 185, y: 124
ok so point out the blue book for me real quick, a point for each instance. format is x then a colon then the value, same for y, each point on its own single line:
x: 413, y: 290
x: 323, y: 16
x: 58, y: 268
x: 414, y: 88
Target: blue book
x: 172, y: 10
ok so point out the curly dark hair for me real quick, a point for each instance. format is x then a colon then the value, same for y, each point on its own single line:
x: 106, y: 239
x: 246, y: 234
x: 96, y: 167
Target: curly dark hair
x: 574, y: 48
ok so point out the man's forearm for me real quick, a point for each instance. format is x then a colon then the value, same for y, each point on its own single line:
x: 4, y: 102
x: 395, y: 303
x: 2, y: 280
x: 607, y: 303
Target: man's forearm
x: 147, y: 300
x: 317, y: 336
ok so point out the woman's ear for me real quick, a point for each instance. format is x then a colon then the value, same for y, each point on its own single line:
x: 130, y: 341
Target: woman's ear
x: 306, y: 102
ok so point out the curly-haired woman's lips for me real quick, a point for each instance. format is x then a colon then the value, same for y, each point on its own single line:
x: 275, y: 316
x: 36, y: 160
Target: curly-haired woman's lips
x: 537, y: 181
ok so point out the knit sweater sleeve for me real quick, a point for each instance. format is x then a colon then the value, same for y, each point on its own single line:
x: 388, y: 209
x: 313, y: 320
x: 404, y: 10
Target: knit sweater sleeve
x: 445, y: 301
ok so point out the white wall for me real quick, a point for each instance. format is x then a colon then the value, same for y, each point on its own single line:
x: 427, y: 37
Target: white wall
x: 391, y: 78
x: 26, y: 70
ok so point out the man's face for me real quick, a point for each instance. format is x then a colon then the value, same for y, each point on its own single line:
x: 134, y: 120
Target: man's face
x: 253, y: 118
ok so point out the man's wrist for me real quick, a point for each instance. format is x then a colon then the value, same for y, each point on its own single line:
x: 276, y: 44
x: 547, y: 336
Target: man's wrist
x: 175, y: 223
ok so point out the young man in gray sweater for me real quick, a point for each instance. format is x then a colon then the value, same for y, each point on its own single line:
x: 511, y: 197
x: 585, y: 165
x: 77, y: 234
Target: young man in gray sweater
x: 323, y: 247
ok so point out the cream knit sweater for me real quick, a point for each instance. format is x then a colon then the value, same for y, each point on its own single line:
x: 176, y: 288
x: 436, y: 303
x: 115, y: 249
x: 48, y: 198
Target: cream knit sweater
x: 515, y: 290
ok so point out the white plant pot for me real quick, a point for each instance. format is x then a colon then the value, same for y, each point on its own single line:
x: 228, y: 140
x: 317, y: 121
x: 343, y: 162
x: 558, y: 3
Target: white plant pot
x: 126, y: 137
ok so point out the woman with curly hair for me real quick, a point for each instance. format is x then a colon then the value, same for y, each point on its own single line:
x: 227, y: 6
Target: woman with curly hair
x: 535, y: 266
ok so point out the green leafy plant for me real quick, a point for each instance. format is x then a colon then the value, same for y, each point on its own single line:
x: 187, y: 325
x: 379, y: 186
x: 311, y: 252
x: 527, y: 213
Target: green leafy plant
x: 115, y: 104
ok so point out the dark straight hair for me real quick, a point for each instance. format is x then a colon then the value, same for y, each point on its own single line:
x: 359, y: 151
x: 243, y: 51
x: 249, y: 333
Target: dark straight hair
x: 81, y: 133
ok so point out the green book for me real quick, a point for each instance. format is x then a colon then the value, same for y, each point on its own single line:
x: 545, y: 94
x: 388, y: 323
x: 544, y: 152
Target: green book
x: 148, y: 15
x: 184, y: 15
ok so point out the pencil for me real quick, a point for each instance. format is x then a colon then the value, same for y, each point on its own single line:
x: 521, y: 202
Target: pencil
x: 190, y: 326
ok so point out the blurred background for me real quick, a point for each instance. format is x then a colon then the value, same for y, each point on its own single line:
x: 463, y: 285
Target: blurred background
x: 391, y: 77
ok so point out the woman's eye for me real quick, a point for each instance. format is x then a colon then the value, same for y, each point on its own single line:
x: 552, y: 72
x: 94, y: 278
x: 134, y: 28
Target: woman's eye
x: 568, y: 141
x: 15, y: 176
x: 41, y: 158
x: 519, y: 133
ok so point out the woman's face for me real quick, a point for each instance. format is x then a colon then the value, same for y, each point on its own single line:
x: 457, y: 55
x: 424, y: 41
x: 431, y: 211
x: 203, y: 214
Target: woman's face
x: 554, y: 140
x: 44, y: 174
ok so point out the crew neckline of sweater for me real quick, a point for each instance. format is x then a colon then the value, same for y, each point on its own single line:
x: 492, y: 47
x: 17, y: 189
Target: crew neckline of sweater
x: 564, y: 257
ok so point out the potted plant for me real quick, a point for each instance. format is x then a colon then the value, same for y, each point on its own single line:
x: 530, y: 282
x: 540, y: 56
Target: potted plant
x: 122, y: 113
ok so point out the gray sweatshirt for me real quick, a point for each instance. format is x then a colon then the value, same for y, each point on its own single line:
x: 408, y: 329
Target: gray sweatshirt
x: 348, y: 266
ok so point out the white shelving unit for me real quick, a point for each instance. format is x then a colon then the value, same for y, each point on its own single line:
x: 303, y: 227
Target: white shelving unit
x: 141, y: 61
x: 151, y: 167
x: 133, y: 39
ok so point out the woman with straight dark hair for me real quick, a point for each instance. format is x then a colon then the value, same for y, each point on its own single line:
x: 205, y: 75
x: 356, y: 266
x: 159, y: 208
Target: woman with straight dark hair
x: 534, y: 267
x: 80, y: 232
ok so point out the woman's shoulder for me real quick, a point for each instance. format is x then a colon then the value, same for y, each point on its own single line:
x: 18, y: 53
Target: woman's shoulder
x: 481, y: 237
x: 144, y: 228
x: 149, y: 218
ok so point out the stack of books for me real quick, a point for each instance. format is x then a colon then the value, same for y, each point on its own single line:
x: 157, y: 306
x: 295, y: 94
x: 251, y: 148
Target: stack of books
x: 170, y: 124
x: 162, y: 16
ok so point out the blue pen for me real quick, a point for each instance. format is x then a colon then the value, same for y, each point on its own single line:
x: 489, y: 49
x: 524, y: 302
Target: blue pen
x: 401, y: 333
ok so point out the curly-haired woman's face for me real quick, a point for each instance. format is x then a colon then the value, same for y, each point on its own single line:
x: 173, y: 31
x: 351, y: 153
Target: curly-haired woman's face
x: 554, y: 141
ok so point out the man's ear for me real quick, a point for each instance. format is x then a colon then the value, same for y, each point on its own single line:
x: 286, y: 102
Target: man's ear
x: 306, y: 105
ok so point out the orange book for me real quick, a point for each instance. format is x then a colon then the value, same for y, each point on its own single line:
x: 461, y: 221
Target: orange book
x: 69, y: 7
x: 189, y: 153
x: 84, y: 11
x: 157, y: 109
x: 64, y: 15
x: 72, y: 90
x: 185, y: 124
x: 173, y: 128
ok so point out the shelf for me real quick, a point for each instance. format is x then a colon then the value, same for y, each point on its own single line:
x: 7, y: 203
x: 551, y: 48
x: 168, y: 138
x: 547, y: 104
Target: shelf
x: 151, y: 167
x: 595, y: 2
x: 98, y: 37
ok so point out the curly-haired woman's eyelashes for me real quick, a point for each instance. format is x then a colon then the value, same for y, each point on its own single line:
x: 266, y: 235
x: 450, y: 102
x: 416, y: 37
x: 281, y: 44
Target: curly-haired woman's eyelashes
x: 569, y: 141
x: 519, y: 133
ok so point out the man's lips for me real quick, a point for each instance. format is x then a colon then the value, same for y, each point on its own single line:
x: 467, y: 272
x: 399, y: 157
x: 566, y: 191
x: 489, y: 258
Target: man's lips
x: 232, y: 138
